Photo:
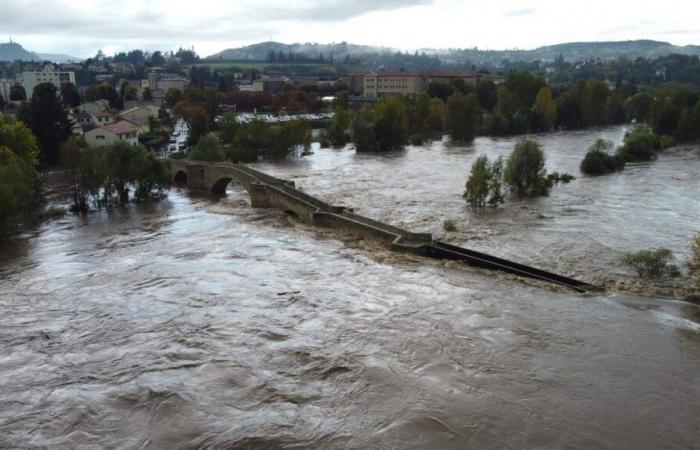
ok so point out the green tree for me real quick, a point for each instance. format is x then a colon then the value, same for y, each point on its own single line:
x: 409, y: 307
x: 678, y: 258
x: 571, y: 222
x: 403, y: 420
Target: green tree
x: 638, y: 106
x: 544, y: 110
x: 17, y: 93
x: 594, y: 100
x: 173, y: 96
x: 363, y: 134
x: 48, y: 121
x: 525, y: 174
x: 639, y: 144
x: 484, y: 184
x: 435, y: 121
x: 228, y: 128
x: 569, y: 115
x: 486, y: 92
x: 598, y: 162
x: 391, y: 124
x: 525, y: 87
x: 70, y: 95
x: 463, y: 116
x: 19, y: 183
x: 208, y: 149
x: 338, y: 133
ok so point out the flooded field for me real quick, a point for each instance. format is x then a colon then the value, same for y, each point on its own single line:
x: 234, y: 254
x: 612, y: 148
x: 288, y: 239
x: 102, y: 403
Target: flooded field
x: 201, y: 322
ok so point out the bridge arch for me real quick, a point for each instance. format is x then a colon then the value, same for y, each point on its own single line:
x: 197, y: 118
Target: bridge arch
x: 220, y: 185
x: 180, y: 178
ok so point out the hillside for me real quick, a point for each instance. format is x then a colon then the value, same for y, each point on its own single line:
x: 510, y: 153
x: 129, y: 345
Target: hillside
x: 59, y: 58
x: 261, y: 50
x: 12, y: 51
x: 572, y: 51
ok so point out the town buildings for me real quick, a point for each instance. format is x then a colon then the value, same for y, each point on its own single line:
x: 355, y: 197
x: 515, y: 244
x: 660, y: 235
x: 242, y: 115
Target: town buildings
x: 48, y: 75
x: 160, y: 80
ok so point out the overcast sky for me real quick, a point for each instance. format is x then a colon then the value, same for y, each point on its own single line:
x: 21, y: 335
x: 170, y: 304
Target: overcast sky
x: 81, y: 27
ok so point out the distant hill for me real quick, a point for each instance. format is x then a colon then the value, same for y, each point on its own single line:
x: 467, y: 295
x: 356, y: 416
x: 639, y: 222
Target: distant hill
x: 12, y: 51
x: 572, y: 51
x: 261, y: 50
x: 59, y: 58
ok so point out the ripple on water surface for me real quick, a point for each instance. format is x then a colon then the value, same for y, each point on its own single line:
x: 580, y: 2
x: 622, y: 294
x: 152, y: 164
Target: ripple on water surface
x: 201, y: 322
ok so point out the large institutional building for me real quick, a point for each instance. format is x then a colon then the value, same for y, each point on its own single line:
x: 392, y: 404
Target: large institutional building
x: 384, y: 84
x: 48, y: 75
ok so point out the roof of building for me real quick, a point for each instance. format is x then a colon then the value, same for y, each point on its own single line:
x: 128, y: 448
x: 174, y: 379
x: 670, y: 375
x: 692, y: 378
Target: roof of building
x: 444, y: 74
x: 398, y: 74
x: 121, y: 127
x: 136, y: 120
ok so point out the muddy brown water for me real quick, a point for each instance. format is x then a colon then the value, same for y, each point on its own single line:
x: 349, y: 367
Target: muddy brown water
x: 200, y: 322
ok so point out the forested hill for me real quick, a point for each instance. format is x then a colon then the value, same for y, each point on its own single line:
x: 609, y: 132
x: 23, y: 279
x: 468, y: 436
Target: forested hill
x: 262, y: 50
x: 573, y: 51
x: 12, y: 51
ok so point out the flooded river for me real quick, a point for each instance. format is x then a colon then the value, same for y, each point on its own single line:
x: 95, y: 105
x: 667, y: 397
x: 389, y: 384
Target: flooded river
x: 200, y: 322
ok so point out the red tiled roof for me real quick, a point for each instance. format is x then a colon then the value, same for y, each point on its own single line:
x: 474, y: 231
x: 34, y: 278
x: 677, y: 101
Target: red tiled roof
x: 121, y: 127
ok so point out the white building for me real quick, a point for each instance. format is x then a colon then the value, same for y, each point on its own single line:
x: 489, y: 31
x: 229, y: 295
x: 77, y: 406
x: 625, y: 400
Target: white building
x: 49, y: 75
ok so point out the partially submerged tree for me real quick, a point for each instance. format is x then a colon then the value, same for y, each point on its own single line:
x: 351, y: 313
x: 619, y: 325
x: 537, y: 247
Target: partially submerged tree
x: 484, y: 186
x: 599, y: 162
x: 525, y: 174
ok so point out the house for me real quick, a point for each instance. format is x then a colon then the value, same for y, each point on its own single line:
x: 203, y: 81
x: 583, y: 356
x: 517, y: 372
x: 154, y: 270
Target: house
x: 49, y: 74
x: 114, y: 132
x: 141, y: 117
x: 102, y: 118
x: 382, y: 84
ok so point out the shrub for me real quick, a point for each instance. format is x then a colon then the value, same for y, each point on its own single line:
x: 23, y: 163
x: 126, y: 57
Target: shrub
x: 651, y: 264
x: 484, y: 183
x: 556, y: 177
x: 695, y: 255
x: 598, y: 162
x: 640, y: 144
x: 449, y: 225
x: 524, y: 173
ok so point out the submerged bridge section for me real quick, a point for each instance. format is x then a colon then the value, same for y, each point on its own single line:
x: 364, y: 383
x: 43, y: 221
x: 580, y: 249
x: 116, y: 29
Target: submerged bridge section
x: 269, y: 192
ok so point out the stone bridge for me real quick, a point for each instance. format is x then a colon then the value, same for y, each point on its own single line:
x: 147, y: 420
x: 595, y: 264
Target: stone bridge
x: 269, y: 192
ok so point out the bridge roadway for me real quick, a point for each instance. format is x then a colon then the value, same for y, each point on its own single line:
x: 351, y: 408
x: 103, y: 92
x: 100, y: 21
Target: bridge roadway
x: 269, y: 192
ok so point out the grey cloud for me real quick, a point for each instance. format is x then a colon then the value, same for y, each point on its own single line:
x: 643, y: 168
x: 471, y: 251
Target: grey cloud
x: 338, y: 10
x: 244, y: 21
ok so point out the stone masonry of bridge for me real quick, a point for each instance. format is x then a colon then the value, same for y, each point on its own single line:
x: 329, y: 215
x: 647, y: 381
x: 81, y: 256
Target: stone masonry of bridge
x: 269, y: 192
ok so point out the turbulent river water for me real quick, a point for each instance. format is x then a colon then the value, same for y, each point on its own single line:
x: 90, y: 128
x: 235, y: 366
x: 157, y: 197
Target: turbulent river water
x: 201, y: 322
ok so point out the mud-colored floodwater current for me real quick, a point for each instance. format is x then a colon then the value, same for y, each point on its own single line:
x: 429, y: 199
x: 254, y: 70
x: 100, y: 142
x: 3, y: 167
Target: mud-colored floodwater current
x: 201, y: 322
